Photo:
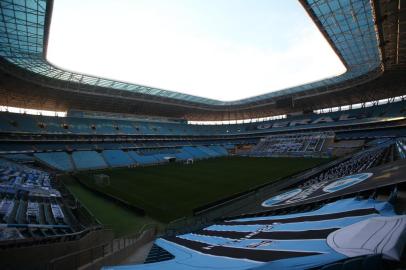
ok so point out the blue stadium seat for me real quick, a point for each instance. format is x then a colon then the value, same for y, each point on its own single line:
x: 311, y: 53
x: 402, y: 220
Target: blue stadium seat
x: 182, y: 155
x: 12, y: 122
x: 195, y: 152
x: 275, y: 241
x: 209, y: 151
x: 141, y: 159
x: 85, y: 160
x: 57, y: 160
x: 117, y: 158
x: 219, y: 149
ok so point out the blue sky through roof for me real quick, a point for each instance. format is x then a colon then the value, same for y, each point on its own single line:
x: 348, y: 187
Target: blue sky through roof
x: 220, y: 49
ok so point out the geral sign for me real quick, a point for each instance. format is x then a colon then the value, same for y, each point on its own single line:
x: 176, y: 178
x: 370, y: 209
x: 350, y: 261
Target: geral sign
x: 307, y: 121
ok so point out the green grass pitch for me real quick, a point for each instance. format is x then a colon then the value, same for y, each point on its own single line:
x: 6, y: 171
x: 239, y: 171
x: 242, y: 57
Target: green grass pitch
x: 120, y: 219
x: 171, y: 191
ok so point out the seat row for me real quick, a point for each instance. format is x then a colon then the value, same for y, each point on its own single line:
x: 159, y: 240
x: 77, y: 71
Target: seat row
x: 88, y: 160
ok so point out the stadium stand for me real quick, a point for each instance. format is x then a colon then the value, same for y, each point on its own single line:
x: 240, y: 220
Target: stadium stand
x: 312, y: 236
x: 219, y: 149
x: 16, y: 177
x: 81, y: 154
x: 32, y: 207
x: 79, y: 160
x: 357, y: 163
x: 345, y: 214
x: 44, y: 216
x: 336, y: 232
x: 58, y: 160
x: 141, y: 159
x: 13, y: 122
x: 196, y: 152
x: 291, y: 144
x: 88, y: 160
x: 117, y: 158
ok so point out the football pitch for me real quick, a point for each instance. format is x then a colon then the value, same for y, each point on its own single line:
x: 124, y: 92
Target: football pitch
x: 167, y: 192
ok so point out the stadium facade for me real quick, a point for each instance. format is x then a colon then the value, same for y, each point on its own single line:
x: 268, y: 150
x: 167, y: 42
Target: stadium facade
x: 301, y: 221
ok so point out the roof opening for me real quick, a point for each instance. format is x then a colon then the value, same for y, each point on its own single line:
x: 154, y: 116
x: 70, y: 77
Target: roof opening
x: 219, y: 49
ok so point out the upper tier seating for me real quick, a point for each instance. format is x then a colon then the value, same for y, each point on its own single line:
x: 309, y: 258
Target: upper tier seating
x: 12, y: 122
x: 371, y: 134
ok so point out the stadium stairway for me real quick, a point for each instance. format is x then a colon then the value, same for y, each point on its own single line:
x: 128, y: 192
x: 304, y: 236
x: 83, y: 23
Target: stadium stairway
x: 85, y: 160
x: 208, y: 151
x: 195, y: 152
x: 103, y: 156
x: 220, y: 149
x: 142, y: 159
x: 117, y: 158
x: 72, y: 162
x: 182, y: 155
x: 157, y: 254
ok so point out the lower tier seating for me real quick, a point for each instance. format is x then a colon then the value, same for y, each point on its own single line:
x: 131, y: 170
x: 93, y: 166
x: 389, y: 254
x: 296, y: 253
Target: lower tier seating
x: 117, y: 158
x: 58, y: 160
x: 349, y: 232
x: 88, y: 160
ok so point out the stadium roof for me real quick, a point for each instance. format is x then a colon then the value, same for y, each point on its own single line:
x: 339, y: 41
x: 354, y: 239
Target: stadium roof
x: 218, y: 49
x: 349, y: 25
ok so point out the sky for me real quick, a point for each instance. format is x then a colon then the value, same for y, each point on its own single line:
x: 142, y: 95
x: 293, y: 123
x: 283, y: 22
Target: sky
x: 220, y: 49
